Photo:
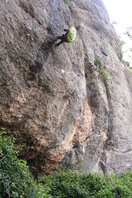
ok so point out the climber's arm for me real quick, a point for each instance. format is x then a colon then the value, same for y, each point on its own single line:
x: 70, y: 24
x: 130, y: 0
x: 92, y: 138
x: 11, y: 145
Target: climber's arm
x: 65, y: 30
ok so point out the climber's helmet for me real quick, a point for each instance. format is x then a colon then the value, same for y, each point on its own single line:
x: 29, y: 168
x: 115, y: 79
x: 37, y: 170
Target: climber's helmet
x: 71, y: 35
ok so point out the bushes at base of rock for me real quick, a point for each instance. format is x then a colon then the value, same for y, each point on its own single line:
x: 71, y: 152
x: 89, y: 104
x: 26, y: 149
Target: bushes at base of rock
x: 16, y: 180
x: 74, y: 184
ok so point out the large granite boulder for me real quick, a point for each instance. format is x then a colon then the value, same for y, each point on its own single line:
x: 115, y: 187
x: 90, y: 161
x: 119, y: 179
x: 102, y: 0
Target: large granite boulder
x: 70, y: 104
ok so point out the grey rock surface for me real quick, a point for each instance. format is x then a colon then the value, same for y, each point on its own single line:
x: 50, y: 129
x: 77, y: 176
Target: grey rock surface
x: 55, y: 99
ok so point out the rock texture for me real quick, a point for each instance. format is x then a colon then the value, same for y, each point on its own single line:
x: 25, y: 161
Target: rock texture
x: 54, y: 99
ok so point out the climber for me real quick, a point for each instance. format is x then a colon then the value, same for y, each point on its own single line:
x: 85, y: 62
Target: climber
x: 68, y: 37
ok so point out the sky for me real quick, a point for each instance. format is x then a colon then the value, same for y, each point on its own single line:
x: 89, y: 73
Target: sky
x: 120, y: 11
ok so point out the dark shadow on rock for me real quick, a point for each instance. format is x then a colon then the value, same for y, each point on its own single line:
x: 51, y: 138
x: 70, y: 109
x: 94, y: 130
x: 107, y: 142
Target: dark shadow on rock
x: 43, y: 53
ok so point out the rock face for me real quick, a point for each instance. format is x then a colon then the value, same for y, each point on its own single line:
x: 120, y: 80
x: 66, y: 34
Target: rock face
x: 66, y: 104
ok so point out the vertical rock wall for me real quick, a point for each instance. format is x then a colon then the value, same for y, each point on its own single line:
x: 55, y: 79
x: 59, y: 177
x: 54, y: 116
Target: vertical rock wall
x: 55, y: 99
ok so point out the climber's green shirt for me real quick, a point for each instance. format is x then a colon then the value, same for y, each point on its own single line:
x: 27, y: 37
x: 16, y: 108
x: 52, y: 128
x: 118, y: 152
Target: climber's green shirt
x: 71, y: 35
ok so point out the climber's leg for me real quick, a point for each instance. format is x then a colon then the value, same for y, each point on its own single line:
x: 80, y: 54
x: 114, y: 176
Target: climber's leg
x: 62, y: 41
x: 57, y: 38
x: 60, y: 37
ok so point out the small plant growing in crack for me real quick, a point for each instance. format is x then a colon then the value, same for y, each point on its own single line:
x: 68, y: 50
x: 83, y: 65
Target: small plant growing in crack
x: 67, y: 2
x: 85, y: 53
x: 103, y: 73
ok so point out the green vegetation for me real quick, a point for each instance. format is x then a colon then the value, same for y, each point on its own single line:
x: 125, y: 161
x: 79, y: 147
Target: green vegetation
x: 127, y: 51
x: 127, y: 63
x: 16, y: 180
x: 85, y: 53
x: 70, y: 185
x: 101, y: 70
x: 67, y: 2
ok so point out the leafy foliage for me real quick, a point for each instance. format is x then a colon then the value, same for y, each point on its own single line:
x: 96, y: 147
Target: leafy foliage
x: 128, y: 64
x: 101, y: 70
x: 74, y: 184
x: 16, y: 180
